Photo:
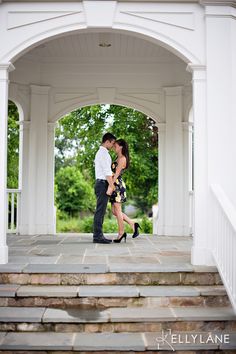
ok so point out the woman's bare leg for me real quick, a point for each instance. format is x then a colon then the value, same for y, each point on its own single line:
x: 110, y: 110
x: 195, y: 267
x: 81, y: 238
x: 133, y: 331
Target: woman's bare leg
x: 113, y: 210
x: 128, y: 220
x: 125, y: 217
x: 119, y: 217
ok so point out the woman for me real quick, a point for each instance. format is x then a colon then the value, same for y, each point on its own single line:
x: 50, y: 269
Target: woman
x: 118, y: 195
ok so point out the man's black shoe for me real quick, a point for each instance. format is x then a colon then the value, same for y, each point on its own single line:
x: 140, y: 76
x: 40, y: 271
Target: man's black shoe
x: 101, y: 240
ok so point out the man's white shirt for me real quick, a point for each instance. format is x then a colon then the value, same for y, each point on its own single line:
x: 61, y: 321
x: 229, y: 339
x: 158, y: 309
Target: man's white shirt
x: 102, y: 164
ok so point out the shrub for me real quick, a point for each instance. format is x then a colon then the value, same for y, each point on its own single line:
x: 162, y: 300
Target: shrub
x: 73, y: 193
x: 146, y: 225
x: 76, y: 224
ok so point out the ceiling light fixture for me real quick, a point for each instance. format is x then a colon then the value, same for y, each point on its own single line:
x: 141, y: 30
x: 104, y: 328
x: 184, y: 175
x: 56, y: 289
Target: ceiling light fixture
x: 104, y: 40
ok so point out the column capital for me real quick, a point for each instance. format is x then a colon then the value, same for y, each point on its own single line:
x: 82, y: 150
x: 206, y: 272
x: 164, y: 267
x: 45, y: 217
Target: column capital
x: 5, y: 68
x: 187, y: 126
x: 161, y: 127
x: 24, y: 124
x: 52, y: 126
x: 218, y: 3
x: 173, y: 90
x: 195, y: 67
x: 198, y: 71
x: 39, y: 90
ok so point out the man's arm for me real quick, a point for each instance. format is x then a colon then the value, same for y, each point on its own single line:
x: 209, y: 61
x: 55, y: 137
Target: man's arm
x: 111, y: 185
x: 106, y: 166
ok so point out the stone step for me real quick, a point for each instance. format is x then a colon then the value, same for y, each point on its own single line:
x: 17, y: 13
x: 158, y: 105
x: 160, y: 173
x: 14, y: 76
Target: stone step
x: 116, y: 319
x: 100, y: 296
x: 114, y: 274
x: 116, y: 342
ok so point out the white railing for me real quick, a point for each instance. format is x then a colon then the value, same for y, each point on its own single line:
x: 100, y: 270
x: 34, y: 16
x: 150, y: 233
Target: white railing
x: 13, y: 208
x: 191, y: 211
x: 223, y: 240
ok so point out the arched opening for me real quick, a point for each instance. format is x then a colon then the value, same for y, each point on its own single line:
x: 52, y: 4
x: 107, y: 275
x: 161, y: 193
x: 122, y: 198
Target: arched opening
x: 13, y: 166
x: 78, y: 137
x: 157, y: 38
x: 75, y: 71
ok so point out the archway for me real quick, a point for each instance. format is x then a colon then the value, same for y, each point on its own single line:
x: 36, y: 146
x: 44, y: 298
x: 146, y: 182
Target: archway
x: 71, y: 76
x: 74, y: 162
x: 13, y: 166
x: 43, y: 91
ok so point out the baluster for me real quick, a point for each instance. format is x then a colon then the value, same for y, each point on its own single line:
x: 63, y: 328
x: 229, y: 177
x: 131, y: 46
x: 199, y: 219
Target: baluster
x: 8, y: 212
x: 12, y: 211
x: 17, y: 212
x: 233, y: 265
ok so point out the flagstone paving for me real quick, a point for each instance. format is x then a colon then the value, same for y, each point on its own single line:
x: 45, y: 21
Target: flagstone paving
x: 144, y: 252
x: 108, y: 342
x: 115, y: 314
x: 110, y: 291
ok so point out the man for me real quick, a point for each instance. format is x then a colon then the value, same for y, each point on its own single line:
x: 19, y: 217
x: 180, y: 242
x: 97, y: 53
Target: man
x: 103, y: 185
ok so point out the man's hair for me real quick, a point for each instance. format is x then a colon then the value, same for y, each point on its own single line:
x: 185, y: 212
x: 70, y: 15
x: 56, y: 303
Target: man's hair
x: 108, y: 136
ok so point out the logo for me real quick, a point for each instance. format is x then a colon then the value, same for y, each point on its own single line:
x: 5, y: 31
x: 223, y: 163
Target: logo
x: 167, y: 339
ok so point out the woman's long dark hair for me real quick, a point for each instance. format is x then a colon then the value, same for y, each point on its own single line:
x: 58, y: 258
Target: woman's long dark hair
x: 125, y: 150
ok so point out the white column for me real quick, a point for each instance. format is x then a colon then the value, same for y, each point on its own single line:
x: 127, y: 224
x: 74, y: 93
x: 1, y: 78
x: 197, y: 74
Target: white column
x: 41, y: 166
x: 24, y: 176
x: 4, y: 72
x: 50, y: 182
x: 160, y: 227
x: 187, y: 175
x: 174, y: 164
x: 200, y: 254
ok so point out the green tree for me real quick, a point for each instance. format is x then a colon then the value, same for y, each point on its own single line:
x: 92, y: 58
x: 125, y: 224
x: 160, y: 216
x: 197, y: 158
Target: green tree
x: 13, y: 146
x: 79, y: 135
x: 73, y: 193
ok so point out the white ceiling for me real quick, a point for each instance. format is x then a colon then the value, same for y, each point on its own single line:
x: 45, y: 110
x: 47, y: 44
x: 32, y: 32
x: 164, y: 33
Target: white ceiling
x: 86, y: 45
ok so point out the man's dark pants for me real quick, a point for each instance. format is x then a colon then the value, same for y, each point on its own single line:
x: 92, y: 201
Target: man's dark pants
x: 102, y: 200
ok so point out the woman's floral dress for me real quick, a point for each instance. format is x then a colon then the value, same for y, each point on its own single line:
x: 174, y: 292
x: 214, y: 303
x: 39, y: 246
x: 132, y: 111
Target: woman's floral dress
x: 119, y: 193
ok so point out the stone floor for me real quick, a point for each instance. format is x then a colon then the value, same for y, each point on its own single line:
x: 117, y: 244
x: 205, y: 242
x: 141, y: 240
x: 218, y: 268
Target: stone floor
x: 145, y: 253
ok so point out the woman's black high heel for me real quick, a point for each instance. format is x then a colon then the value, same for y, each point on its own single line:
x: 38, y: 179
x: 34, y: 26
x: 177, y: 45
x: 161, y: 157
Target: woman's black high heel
x: 118, y: 240
x: 136, y: 232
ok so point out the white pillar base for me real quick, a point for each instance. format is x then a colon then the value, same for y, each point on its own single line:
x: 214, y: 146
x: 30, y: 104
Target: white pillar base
x: 3, y: 254
x: 202, y: 256
x: 41, y: 229
x: 173, y: 230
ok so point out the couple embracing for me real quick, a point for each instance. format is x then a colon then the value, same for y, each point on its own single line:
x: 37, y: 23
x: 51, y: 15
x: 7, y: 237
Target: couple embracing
x: 110, y: 186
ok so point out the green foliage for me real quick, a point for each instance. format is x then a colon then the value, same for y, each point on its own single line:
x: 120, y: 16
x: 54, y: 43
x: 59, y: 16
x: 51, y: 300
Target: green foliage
x: 146, y: 225
x: 13, y: 146
x: 78, y: 225
x: 73, y: 193
x: 79, y: 135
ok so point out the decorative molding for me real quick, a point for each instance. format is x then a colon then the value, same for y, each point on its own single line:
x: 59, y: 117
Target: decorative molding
x: 24, y: 124
x: 218, y: 3
x: 195, y: 67
x: 52, y: 126
x: 188, y: 126
x: 25, y: 18
x: 106, y: 94
x: 198, y: 71
x: 173, y: 90
x: 39, y: 90
x: 7, y: 66
x: 102, y: 18
x: 174, y: 19
x: 161, y: 127
x: 146, y: 97
x: 71, y: 96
